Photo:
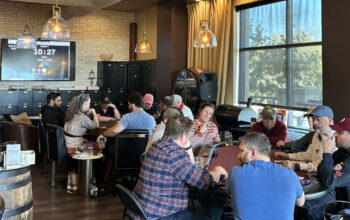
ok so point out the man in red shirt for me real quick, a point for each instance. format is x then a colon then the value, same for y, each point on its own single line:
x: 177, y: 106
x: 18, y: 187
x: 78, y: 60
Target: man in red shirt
x: 274, y: 129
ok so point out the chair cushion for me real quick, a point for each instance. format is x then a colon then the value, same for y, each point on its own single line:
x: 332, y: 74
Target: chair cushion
x: 21, y: 118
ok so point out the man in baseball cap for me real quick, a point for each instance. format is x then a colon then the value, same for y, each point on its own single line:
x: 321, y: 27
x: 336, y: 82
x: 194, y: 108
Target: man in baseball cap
x: 177, y: 102
x: 322, y: 117
x: 334, y: 170
x: 274, y: 129
x: 303, y: 143
x: 150, y: 106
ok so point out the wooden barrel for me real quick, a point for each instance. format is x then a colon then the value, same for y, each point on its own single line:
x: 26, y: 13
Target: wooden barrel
x: 16, y: 189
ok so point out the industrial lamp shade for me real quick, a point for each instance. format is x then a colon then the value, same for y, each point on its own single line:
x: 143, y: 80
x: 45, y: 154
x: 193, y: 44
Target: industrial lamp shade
x: 205, y: 38
x: 26, y: 41
x: 56, y: 28
x: 143, y: 45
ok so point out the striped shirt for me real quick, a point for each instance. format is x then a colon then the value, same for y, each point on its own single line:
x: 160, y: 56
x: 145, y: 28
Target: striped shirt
x: 198, y: 138
x: 166, y: 172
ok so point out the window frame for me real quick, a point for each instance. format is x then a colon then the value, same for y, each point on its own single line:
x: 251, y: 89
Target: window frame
x: 288, y: 46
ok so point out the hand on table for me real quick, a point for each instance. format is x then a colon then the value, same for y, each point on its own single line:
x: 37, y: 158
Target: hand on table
x: 218, y: 171
x: 280, y: 144
x: 281, y: 155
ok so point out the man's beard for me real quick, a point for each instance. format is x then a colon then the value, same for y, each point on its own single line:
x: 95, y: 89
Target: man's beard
x: 131, y: 109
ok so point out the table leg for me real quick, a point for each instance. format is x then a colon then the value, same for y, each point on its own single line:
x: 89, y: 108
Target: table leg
x: 85, y: 175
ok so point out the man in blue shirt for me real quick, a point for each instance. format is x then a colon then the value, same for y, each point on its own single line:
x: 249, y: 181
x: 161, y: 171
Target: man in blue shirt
x: 260, y: 189
x: 136, y: 119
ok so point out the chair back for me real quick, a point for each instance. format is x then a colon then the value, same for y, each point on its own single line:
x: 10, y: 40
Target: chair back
x: 42, y: 137
x: 56, y: 144
x: 129, y: 201
x: 27, y: 135
x: 130, y: 144
x: 2, y: 206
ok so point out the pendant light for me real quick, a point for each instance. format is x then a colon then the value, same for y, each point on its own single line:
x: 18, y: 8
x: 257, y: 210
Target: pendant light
x: 56, y: 28
x: 26, y: 41
x: 205, y: 38
x: 143, y: 45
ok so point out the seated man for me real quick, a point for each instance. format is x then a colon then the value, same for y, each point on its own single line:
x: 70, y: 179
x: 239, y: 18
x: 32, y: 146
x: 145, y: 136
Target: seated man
x: 177, y: 102
x: 162, y: 189
x: 136, y: 119
x: 274, y: 129
x: 334, y: 170
x: 158, y: 130
x: 151, y: 107
x: 105, y: 110
x: 52, y: 112
x: 260, y: 189
x: 322, y: 117
x: 303, y: 143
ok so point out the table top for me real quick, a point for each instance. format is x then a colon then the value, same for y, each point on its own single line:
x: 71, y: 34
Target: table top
x: 86, y: 156
x: 104, y: 125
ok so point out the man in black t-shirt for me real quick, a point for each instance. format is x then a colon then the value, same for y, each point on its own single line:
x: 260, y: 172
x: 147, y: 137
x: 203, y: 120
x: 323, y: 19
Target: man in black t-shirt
x: 106, y: 111
x: 151, y: 107
x: 52, y: 112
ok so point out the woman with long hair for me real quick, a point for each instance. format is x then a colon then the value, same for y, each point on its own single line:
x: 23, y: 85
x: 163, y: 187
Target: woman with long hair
x: 77, y: 122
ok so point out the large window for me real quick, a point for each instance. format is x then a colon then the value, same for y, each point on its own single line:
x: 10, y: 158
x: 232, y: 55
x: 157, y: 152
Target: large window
x: 281, y: 54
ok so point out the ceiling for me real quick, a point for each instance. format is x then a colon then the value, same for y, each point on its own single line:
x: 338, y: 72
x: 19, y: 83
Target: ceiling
x: 115, y: 5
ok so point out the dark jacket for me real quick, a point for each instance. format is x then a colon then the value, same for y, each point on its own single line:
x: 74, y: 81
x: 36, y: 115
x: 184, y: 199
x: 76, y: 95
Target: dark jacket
x: 339, y: 180
x: 299, y: 145
x: 52, y: 115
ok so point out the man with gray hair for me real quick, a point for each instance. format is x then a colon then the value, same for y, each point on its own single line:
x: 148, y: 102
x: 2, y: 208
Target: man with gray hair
x: 177, y: 102
x: 167, y: 172
x: 261, y: 184
x: 322, y: 117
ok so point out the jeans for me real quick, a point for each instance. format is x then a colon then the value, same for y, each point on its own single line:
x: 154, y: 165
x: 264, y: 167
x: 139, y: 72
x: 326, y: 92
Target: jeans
x: 314, y: 208
x: 185, y: 215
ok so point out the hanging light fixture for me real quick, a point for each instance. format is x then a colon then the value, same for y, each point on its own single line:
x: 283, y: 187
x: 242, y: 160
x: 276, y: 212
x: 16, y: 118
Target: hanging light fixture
x: 26, y: 41
x: 205, y: 38
x: 56, y: 28
x: 143, y: 45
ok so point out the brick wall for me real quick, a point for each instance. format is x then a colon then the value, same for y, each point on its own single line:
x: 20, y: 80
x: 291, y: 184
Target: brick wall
x: 100, y: 32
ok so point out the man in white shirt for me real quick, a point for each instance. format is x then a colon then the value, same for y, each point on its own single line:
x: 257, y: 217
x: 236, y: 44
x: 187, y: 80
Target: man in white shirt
x: 177, y: 102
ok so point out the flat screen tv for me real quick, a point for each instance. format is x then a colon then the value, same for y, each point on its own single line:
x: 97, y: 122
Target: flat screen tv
x: 51, y: 60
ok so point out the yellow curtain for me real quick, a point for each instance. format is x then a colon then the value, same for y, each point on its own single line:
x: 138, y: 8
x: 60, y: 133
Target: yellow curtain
x: 219, y: 12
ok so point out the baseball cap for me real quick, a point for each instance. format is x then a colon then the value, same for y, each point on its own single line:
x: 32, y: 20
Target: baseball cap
x: 148, y: 99
x: 343, y: 125
x: 268, y: 112
x: 176, y: 98
x: 105, y: 100
x: 322, y: 111
x: 308, y: 112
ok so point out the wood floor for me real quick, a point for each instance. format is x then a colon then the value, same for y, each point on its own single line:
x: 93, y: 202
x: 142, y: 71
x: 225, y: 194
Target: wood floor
x: 52, y: 204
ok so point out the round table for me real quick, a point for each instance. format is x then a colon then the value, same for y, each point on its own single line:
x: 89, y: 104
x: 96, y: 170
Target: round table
x: 85, y: 168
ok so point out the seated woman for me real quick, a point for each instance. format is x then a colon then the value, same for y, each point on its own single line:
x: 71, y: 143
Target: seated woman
x: 106, y: 110
x: 77, y: 121
x: 204, y: 132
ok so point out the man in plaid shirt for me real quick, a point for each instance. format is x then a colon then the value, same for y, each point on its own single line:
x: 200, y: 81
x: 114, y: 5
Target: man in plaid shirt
x: 167, y: 172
